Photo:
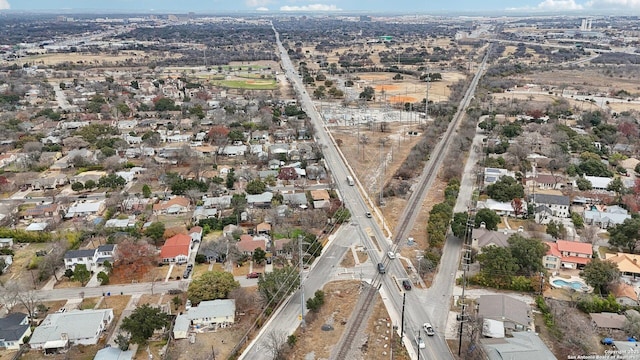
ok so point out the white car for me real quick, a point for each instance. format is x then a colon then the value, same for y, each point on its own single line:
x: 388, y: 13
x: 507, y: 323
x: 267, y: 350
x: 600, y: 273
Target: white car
x: 428, y: 329
x: 391, y: 255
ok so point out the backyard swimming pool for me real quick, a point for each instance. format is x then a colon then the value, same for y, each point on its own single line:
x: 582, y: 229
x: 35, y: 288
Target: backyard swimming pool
x: 576, y: 285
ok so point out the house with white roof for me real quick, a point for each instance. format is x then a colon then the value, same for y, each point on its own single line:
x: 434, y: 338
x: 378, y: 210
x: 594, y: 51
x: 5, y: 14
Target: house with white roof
x: 491, y: 175
x: 85, y: 208
x: 605, y: 217
x: 213, y: 314
x: 598, y: 182
x: 61, y: 330
x: 501, y: 208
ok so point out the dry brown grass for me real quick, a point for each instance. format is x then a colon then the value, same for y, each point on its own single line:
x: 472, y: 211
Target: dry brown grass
x: 348, y: 260
x: 116, y: 302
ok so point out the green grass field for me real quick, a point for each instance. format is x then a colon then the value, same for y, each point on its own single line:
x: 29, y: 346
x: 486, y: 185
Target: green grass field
x: 247, y: 84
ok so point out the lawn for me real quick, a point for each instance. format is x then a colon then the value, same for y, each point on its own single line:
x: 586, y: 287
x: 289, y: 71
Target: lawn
x: 116, y: 302
x: 248, y: 84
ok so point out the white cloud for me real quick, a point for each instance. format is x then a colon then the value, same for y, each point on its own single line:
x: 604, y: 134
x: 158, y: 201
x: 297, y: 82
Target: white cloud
x: 255, y: 3
x: 559, y: 5
x: 4, y: 5
x: 262, y: 8
x: 311, y: 7
x: 616, y: 4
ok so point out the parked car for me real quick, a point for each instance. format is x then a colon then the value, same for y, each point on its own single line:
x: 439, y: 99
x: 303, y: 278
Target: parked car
x: 428, y: 329
x: 369, y: 214
x: 406, y: 284
x: 253, y: 275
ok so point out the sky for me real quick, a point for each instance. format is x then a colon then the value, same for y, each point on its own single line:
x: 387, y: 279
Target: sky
x: 628, y: 7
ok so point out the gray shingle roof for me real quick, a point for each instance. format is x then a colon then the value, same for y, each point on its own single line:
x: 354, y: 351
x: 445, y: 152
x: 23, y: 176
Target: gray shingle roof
x: 550, y: 199
x: 74, y: 254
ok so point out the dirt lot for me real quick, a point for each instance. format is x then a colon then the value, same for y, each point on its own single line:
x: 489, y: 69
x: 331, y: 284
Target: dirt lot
x: 122, y: 274
x: 24, y: 253
x: 340, y: 299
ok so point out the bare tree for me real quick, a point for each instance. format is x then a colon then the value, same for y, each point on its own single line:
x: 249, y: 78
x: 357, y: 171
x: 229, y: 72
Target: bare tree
x: 276, y: 344
x: 590, y: 234
x: 14, y: 293
x: 52, y: 262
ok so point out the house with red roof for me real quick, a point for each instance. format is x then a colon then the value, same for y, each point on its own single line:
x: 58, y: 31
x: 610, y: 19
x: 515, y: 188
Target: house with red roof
x: 247, y: 244
x: 567, y: 254
x: 176, y: 205
x: 176, y: 249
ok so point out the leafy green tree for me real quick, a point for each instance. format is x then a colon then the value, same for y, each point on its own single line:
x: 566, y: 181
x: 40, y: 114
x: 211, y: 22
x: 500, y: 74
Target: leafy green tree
x: 315, y: 303
x: 81, y: 274
x: 583, y: 184
x: 616, y: 186
x: 600, y: 274
x: 342, y: 215
x: 90, y: 184
x: 112, y: 181
x: 255, y: 187
x: 103, y: 278
x: 459, y: 224
x: 593, y: 167
x: 497, y: 266
x: 231, y: 179
x: 68, y: 273
x: 625, y: 235
x: 368, y: 93
x: 511, y: 130
x: 201, y: 259
x: 122, y: 341
x: 505, y: 189
x: 527, y: 253
x: 489, y: 217
x: 165, y: 104
x: 155, y: 230
x: 143, y: 322
x: 77, y: 186
x: 211, y: 285
x: 278, y: 284
x: 556, y: 229
x: 319, y: 92
x: 236, y: 135
x: 146, y: 191
x: 177, y: 301
x: 577, y: 220
x: 259, y: 255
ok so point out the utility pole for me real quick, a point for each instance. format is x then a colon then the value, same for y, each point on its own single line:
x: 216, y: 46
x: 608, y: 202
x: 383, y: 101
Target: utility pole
x: 465, y: 266
x: 404, y: 298
x: 302, y: 324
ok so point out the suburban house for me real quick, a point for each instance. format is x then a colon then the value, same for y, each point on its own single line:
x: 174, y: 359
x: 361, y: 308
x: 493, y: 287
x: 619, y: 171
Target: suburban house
x: 201, y: 213
x: 8, y: 260
x: 247, y: 244
x: 501, y: 208
x: 260, y: 200
x: 43, y: 210
x: 515, y: 315
x: 546, y: 182
x: 6, y: 242
x: 278, y: 247
x: 91, y: 258
x: 195, y: 233
x: 13, y: 329
x: 482, y: 237
x: 128, y: 222
x: 605, y: 216
x: 608, y: 321
x: 77, y: 327
x: 176, y: 205
x: 625, y: 294
x: 264, y: 228
x: 567, y: 254
x: 491, y: 175
x: 523, y: 345
x: 599, y: 182
x: 628, y: 264
x: 555, y: 205
x: 85, y: 208
x: 176, y: 249
x: 212, y: 314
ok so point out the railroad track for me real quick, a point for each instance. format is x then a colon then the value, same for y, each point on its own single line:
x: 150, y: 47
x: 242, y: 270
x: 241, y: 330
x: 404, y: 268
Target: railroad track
x: 355, y: 322
x: 408, y: 217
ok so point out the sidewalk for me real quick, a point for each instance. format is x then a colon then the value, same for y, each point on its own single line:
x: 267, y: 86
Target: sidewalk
x: 133, y: 302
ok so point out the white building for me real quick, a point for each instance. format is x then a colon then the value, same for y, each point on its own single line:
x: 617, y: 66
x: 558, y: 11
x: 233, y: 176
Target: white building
x: 60, y: 330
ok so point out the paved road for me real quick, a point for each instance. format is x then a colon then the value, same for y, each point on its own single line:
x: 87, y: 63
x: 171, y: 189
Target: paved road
x: 286, y: 319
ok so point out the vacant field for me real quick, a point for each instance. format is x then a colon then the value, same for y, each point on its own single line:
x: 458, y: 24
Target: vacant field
x: 96, y: 59
x: 262, y: 84
x: 409, y: 89
x: 24, y: 254
x: 116, y: 302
